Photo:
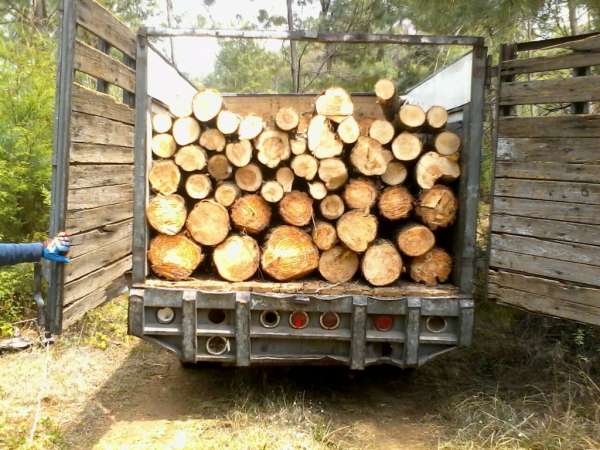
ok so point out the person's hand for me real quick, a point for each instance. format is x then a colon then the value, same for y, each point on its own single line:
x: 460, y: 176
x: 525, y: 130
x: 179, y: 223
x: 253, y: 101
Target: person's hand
x: 56, y: 249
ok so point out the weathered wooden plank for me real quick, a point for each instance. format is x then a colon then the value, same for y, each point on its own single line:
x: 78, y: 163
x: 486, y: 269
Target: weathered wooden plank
x: 88, y: 219
x: 87, y: 242
x: 101, y: 154
x: 103, y: 67
x: 95, y: 280
x: 571, y: 252
x: 548, y: 171
x: 561, y: 191
x: 102, y: 23
x: 589, y: 44
x: 581, y: 150
x: 546, y: 267
x: 93, y: 175
x: 96, y: 259
x: 571, y: 126
x: 577, y: 89
x: 546, y: 63
x: 98, y: 104
x: 546, y: 229
x: 542, y: 209
x: 99, y: 130
x: 545, y: 305
x: 568, y: 292
x: 99, y: 196
x: 75, y: 311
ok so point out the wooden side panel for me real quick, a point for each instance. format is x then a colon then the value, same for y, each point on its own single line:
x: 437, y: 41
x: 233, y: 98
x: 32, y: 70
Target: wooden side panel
x: 104, y: 67
x: 545, y: 228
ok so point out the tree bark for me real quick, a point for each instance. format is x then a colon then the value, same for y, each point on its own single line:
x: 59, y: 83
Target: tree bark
x: 208, y: 223
x: 237, y: 258
x: 381, y: 263
x: 294, y: 63
x: 251, y: 214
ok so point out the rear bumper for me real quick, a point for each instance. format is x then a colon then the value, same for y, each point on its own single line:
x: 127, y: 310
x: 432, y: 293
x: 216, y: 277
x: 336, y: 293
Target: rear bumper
x: 411, y: 342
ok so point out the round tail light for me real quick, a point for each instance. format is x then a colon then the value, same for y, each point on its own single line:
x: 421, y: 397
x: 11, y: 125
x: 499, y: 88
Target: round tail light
x: 269, y: 319
x: 384, y: 323
x: 165, y: 315
x: 329, y: 320
x: 217, y: 345
x: 298, y: 319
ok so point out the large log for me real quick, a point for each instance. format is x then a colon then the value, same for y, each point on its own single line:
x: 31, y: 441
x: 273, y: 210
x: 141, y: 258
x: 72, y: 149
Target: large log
x: 161, y: 122
x: 213, y: 140
x: 382, y: 131
x: 227, y: 193
x: 237, y: 258
x: 219, y: 167
x: 335, y: 103
x: 164, y: 176
x: 208, y: 222
x: 338, y: 264
x: 333, y: 172
x: 296, y: 208
x: 437, y: 207
x: 396, y: 203
x: 228, y: 122
x: 432, y: 167
x: 191, y: 158
x: 381, y: 264
x: 411, y: 117
x: 251, y: 214
x: 198, y: 186
x: 360, y: 193
x: 285, y: 177
x: 305, y: 166
x: 367, y: 157
x: 174, y: 257
x: 163, y: 145
x: 357, y: 229
x: 239, y: 153
x: 166, y: 213
x: 432, y: 267
x: 332, y: 207
x: 414, y: 239
x: 324, y: 235
x: 287, y: 118
x: 272, y: 191
x: 250, y: 126
x: 407, y: 146
x: 249, y: 178
x: 436, y: 117
x: 395, y: 174
x: 323, y: 142
x: 207, y: 104
x: 389, y: 101
x: 289, y: 253
x: 273, y: 147
x: 447, y: 143
x: 186, y: 130
x: 349, y: 130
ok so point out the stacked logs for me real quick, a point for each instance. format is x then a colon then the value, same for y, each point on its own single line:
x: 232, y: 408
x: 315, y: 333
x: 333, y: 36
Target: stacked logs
x: 318, y: 191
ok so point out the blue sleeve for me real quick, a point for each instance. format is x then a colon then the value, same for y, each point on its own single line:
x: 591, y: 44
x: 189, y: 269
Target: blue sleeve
x: 18, y: 253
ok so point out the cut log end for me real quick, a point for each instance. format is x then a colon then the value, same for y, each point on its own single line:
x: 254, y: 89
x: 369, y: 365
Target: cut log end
x: 447, y: 143
x: 161, y: 122
x: 437, y: 117
x: 285, y: 177
x: 415, y: 239
x: 249, y: 178
x: 323, y: 142
x: 186, y: 130
x: 324, y: 235
x: 349, y: 130
x: 191, y: 158
x: 251, y: 214
x: 395, y: 174
x: 239, y: 153
x: 289, y: 253
x: 287, y: 118
x: 228, y: 122
x: 317, y: 190
x: 174, y: 257
x: 332, y: 207
x: 296, y: 208
x: 407, y: 146
x: 305, y: 166
x: 396, y: 203
x: 272, y: 191
x: 250, y: 127
x: 163, y: 145
x: 385, y: 90
x: 360, y: 193
x: 431, y: 268
x: 219, y: 167
x: 237, y: 258
x: 208, y: 223
x: 273, y: 147
x: 207, y: 104
x: 338, y: 264
x: 298, y: 146
x: 381, y: 263
x: 411, y: 117
x: 382, y: 131
x: 432, y: 167
x: 357, y: 229
x: 181, y: 106
x: 333, y: 172
x: 367, y: 157
x: 164, y: 176
x: 198, y: 186
x: 227, y: 193
x: 166, y: 213
x: 213, y: 140
x: 335, y: 102
x: 437, y: 207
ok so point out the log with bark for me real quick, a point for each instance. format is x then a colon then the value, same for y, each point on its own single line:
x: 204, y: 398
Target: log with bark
x: 207, y: 104
x: 305, y: 166
x: 273, y: 146
x: 414, y: 239
x: 208, y: 222
x: 237, y: 258
x: 219, y: 167
x: 285, y: 177
x: 239, y: 153
x: 289, y: 253
x: 227, y: 193
x: 324, y: 235
x: 360, y: 193
x: 338, y: 264
x: 227, y: 122
x: 166, y: 213
x: 357, y: 229
x: 249, y: 178
x: 250, y: 127
x: 164, y: 176
x: 251, y: 214
x: 411, y: 117
x: 323, y: 142
x: 333, y: 172
x: 162, y: 122
x: 389, y: 101
x: 395, y: 203
x: 381, y: 264
x: 296, y: 208
x: 432, y: 267
x: 437, y: 207
x: 174, y: 257
x: 433, y: 167
x: 163, y: 145
x: 272, y: 191
x: 186, y: 130
x: 198, y: 186
x: 332, y: 207
x: 367, y: 157
x: 287, y: 118
x: 191, y: 158
x: 213, y: 140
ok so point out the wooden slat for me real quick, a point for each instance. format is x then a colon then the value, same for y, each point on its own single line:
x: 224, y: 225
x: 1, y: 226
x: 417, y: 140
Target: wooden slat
x: 101, y: 154
x: 102, y: 23
x: 561, y: 191
x: 89, y: 219
x: 549, y: 171
x: 570, y: 252
x: 550, y: 288
x: 546, y: 229
x: 591, y: 44
x: 572, y: 126
x: 98, y: 104
x: 542, y: 209
x: 546, y: 63
x: 104, y: 67
x: 581, y: 150
x: 99, y: 130
x: 96, y: 259
x: 88, y: 242
x: 99, y: 196
x: 95, y: 280
x: 577, y: 89
x: 93, y: 175
x: 545, y: 267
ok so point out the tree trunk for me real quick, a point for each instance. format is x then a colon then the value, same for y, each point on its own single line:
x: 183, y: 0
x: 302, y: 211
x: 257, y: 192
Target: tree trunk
x: 213, y: 140
x: 287, y: 118
x: 305, y: 166
x: 161, y: 122
x: 272, y: 191
x: 191, y: 158
x: 273, y: 147
x: 207, y: 104
x: 164, y: 176
x: 228, y: 122
x: 285, y: 177
x: 174, y: 257
x: 437, y: 207
x: 360, y: 193
x: 186, y: 130
x: 163, y: 145
x: 415, y: 239
x: 296, y: 208
x: 357, y: 229
x: 338, y: 264
x: 295, y: 62
x: 249, y: 178
x: 251, y: 214
x: 317, y: 190
x: 239, y: 153
x: 227, y: 193
x: 323, y: 142
x: 436, y: 118
x: 411, y: 117
x: 219, y: 167
x: 382, y: 131
x: 432, y: 167
x: 396, y: 203
x: 167, y: 213
x: 237, y: 258
x: 332, y: 207
x: 388, y: 100
x: 395, y: 174
x: 198, y: 186
x: 289, y: 253
x: 333, y: 172
x: 407, y: 146
x: 367, y: 157
x: 250, y: 127
x: 432, y: 267
x: 349, y: 130
x: 208, y: 222
x: 381, y: 264
x: 324, y: 235
x: 447, y: 143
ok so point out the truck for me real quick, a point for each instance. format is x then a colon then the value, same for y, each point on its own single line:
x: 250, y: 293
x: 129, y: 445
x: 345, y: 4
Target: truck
x: 542, y: 252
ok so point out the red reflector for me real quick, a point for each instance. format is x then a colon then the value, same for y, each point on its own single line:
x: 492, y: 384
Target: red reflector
x: 384, y: 323
x: 298, y: 319
x: 330, y: 320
